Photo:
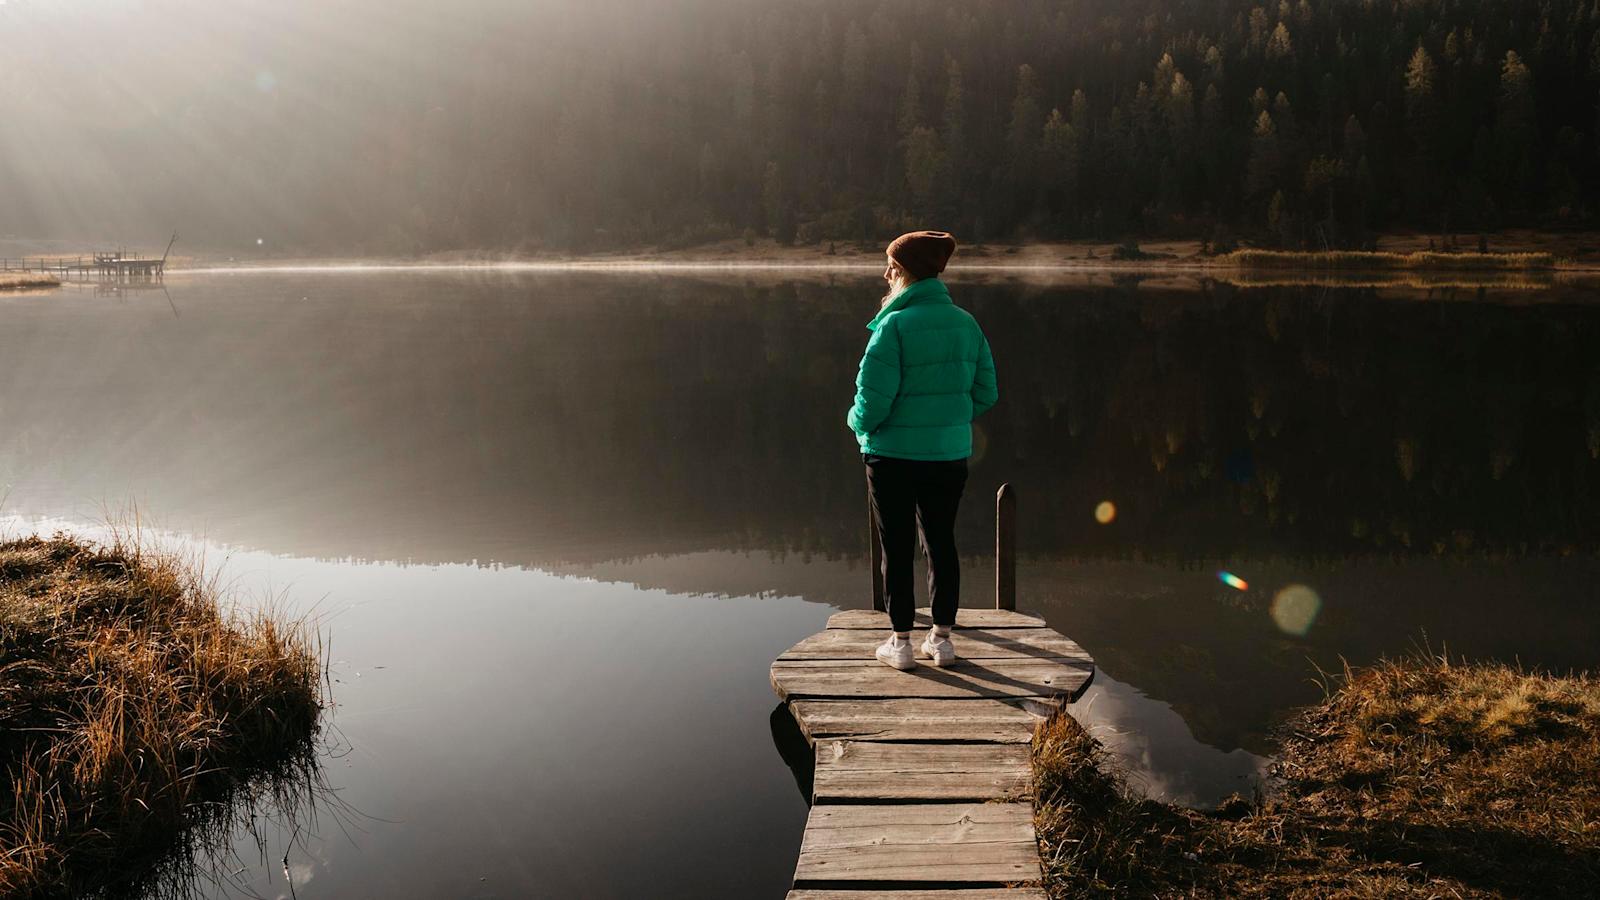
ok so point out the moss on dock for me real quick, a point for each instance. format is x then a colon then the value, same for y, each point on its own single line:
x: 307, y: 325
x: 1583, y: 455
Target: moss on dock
x: 1418, y: 778
x: 131, y: 710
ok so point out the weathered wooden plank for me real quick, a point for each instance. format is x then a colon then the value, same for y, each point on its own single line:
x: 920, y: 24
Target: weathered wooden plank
x: 977, y: 665
x: 965, y: 618
x: 870, y: 770
x: 986, y: 720
x: 970, y: 643
x: 874, y: 728
x: 842, y: 678
x: 982, y: 843
x: 957, y: 894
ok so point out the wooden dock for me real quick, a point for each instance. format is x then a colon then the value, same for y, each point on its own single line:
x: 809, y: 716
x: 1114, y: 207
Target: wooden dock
x: 923, y: 779
x: 109, y: 265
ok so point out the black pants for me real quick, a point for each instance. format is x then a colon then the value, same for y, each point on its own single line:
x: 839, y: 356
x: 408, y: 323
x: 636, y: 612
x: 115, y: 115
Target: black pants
x: 906, y: 494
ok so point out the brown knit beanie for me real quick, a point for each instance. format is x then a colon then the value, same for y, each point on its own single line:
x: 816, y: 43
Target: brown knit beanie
x: 923, y: 254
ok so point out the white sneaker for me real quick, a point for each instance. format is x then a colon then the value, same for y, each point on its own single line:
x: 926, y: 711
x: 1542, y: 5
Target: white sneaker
x: 937, y: 650
x: 897, y: 653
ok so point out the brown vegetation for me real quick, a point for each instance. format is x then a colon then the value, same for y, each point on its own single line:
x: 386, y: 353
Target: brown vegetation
x: 1414, y: 779
x: 1378, y: 261
x: 21, y: 281
x: 1533, y: 286
x: 131, y: 709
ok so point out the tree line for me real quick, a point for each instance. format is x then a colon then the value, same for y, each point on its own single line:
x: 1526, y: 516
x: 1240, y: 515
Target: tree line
x: 1301, y: 124
x: 501, y: 126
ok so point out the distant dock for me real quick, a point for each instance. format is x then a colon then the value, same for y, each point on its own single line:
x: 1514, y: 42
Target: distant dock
x: 113, y: 266
x: 108, y: 265
x: 923, y: 779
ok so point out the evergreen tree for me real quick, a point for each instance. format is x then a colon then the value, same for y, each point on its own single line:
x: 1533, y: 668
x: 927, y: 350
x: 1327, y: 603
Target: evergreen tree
x: 910, y: 115
x: 1265, y: 159
x: 1180, y: 114
x: 953, y: 129
x: 1420, y: 100
x: 1422, y: 125
x: 1514, y: 123
x: 926, y: 170
x: 1026, y: 118
x: 1058, y: 166
x: 775, y: 204
x: 1279, y: 47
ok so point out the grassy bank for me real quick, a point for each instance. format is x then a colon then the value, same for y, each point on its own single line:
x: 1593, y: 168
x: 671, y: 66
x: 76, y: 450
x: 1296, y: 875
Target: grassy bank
x: 1414, y: 779
x: 20, y: 281
x: 131, y: 708
x: 1382, y: 261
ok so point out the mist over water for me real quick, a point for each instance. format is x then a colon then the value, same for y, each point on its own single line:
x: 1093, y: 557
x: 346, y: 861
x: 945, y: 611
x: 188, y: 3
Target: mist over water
x: 560, y: 523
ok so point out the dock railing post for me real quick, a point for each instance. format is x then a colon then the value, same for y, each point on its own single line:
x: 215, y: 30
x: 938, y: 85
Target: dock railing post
x: 875, y: 556
x: 1005, y: 548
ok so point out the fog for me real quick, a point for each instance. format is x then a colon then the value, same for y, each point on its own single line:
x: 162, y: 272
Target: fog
x: 305, y: 124
x: 408, y: 128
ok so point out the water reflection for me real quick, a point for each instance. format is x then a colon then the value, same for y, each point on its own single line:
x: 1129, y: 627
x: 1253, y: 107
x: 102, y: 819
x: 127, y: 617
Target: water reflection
x: 561, y: 417
x: 1155, y: 747
x: 505, y: 732
x: 232, y: 833
x: 1379, y: 470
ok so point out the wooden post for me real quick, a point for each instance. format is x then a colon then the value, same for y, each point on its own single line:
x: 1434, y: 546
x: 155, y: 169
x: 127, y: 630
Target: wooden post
x: 1005, y: 548
x: 875, y: 556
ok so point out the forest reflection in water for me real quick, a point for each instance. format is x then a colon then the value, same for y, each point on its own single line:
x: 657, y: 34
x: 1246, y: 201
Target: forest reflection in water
x: 1423, y: 466
x: 567, y: 418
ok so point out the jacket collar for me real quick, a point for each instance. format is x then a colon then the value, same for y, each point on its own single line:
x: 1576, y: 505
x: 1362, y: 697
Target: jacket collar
x: 927, y: 290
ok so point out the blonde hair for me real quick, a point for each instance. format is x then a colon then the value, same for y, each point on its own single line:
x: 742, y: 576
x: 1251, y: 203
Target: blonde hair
x: 902, y: 280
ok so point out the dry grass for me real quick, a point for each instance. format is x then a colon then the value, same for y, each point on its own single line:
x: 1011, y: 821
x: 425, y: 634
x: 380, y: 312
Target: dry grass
x: 1414, y: 779
x: 1462, y: 285
x: 1361, y: 261
x: 130, y: 708
x: 22, y: 281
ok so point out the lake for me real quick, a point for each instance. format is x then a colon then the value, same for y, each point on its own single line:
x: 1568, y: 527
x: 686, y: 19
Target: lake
x: 556, y: 525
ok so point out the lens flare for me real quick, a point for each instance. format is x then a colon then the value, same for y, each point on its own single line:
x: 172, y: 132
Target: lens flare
x: 1106, y: 512
x: 1233, y: 581
x: 1295, y: 608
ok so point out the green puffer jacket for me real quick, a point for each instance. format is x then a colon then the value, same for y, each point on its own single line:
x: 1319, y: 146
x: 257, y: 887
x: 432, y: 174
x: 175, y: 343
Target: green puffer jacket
x: 926, y: 375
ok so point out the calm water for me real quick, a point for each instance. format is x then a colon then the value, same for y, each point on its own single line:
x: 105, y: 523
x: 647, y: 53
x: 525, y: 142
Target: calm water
x: 558, y: 525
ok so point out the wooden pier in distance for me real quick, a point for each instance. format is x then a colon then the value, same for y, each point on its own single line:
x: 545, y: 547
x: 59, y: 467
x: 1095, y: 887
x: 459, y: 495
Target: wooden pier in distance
x: 110, y: 265
x: 923, y: 779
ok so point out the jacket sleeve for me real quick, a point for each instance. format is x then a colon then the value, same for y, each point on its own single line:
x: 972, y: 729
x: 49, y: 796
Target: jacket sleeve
x: 878, y: 381
x: 985, y: 390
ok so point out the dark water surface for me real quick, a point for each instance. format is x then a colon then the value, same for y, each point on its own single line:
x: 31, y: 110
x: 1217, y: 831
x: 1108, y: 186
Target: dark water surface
x: 558, y: 525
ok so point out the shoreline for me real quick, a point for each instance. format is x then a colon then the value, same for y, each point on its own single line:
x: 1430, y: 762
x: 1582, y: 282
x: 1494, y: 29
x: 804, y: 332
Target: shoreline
x: 1568, y: 251
x: 140, y: 717
x: 1172, y: 274
x: 1558, y: 254
x: 1420, y: 777
x: 1519, y: 263
x: 26, y: 281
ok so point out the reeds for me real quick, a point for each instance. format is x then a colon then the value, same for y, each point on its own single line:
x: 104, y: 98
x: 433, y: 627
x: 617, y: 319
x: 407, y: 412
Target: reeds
x: 130, y: 706
x: 1415, y: 778
x: 1375, y: 261
x: 22, y: 281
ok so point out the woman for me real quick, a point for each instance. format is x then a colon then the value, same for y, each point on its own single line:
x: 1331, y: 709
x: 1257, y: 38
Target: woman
x: 926, y: 375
